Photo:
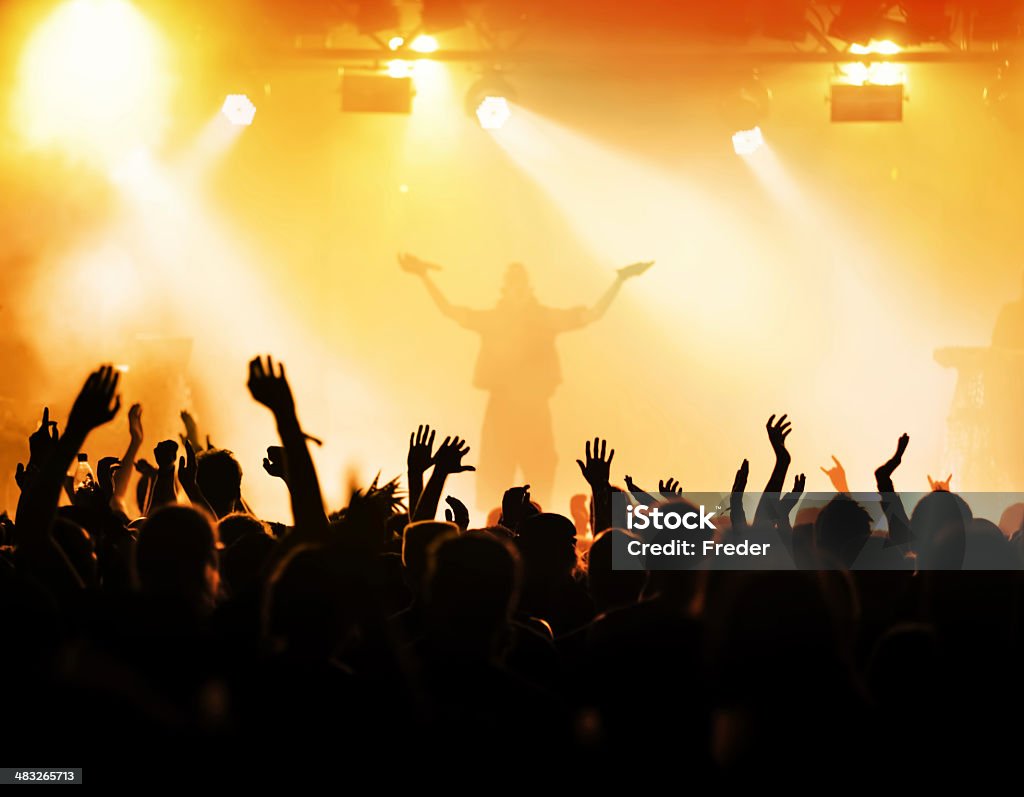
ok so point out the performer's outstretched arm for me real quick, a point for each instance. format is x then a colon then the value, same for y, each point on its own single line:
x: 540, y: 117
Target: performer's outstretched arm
x: 593, y: 313
x: 421, y: 268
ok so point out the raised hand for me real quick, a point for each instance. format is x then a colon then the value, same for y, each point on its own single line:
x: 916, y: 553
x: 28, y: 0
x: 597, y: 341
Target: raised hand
x: 164, y: 453
x: 837, y: 475
x: 43, y: 440
x: 739, y: 483
x: 631, y: 485
x: 937, y: 485
x: 97, y: 403
x: 145, y: 469
x: 886, y: 470
x: 634, y: 269
x: 448, y: 458
x: 737, y: 513
x: 778, y: 431
x: 191, y: 428
x: 274, y: 462
x: 597, y: 468
x: 792, y: 498
x: 135, y: 423
x: 421, y: 447
x: 669, y: 487
x: 413, y: 265
x: 515, y: 505
x: 269, y: 386
x: 188, y: 468
x: 457, y: 512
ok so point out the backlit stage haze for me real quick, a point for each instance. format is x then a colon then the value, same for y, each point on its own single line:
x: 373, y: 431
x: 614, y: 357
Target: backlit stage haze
x: 815, y: 276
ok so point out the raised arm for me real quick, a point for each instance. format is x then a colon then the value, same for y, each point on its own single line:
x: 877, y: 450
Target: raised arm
x: 596, y: 469
x: 892, y: 504
x: 269, y: 387
x: 97, y: 404
x: 447, y: 460
x: 421, y: 268
x: 601, y: 307
x: 769, y: 508
x: 123, y: 475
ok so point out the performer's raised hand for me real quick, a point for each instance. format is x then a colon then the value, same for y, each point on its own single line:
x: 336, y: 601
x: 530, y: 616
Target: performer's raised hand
x: 414, y: 265
x: 634, y: 269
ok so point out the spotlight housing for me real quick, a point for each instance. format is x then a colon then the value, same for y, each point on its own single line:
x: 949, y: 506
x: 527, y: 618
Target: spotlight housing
x: 238, y: 109
x: 489, y: 100
x: 747, y: 142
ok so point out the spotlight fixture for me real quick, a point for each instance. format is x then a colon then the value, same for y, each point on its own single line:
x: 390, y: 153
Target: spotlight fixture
x: 747, y: 142
x: 489, y: 100
x: 424, y: 43
x: 238, y: 109
x: 493, y: 112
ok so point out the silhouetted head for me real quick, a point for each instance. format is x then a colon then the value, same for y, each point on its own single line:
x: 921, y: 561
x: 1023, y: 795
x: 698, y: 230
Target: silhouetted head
x: 1012, y: 519
x: 309, y: 605
x: 841, y: 529
x: 547, y: 543
x: 77, y: 545
x: 609, y: 587
x: 105, y: 470
x: 241, y: 564
x: 176, y: 556
x: 939, y: 526
x: 232, y: 528
x: 416, y: 541
x: 472, y: 590
x: 515, y: 288
x: 220, y: 479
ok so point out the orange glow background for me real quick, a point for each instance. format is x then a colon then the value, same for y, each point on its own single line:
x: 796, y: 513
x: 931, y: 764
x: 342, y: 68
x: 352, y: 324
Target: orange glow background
x: 814, y: 278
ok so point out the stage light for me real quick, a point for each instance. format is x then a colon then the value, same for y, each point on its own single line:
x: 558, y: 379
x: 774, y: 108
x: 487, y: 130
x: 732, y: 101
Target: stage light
x: 876, y: 73
x: 92, y: 81
x: 493, y: 112
x: 395, y: 42
x: 883, y: 47
x: 424, y: 44
x: 238, y: 109
x: 747, y: 142
x: 489, y: 100
x: 399, y: 68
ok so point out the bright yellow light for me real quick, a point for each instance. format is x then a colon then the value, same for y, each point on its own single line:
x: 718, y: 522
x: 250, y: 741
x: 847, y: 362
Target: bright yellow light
x: 395, y: 42
x: 424, y: 44
x: 493, y: 112
x: 238, y: 109
x: 747, y: 142
x: 879, y: 73
x: 92, y: 81
x: 400, y: 68
x: 876, y: 47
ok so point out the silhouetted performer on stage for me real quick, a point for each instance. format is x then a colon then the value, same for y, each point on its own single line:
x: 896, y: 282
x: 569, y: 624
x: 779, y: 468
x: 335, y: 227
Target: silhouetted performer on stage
x: 518, y: 366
